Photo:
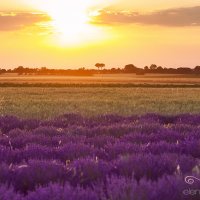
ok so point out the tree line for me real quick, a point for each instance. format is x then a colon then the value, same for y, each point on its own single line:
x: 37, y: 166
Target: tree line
x: 100, y: 68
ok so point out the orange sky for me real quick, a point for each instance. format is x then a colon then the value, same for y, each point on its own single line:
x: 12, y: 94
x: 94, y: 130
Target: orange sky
x: 73, y: 34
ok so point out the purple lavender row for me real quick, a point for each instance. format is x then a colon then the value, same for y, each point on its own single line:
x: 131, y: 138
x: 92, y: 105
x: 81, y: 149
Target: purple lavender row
x: 116, y: 188
x: 107, y: 157
x: 8, y: 123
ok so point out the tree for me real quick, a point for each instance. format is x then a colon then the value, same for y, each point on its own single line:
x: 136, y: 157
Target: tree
x: 100, y: 65
x: 19, y: 70
x: 159, y: 69
x: 197, y: 69
x: 146, y: 68
x: 81, y: 69
x: 130, y: 68
x: 184, y: 70
x: 153, y: 67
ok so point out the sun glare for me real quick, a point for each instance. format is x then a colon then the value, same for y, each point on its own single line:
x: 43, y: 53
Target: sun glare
x: 70, y: 20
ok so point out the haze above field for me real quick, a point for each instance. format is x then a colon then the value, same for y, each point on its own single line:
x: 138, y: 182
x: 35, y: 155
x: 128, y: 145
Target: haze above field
x: 63, y: 33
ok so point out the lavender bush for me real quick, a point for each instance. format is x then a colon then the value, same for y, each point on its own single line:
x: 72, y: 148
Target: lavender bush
x: 106, y: 157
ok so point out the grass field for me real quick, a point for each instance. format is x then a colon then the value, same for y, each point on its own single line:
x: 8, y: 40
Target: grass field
x: 103, y: 79
x: 45, y: 102
x: 45, y: 97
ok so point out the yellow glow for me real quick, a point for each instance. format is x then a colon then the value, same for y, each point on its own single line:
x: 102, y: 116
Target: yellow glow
x: 70, y: 20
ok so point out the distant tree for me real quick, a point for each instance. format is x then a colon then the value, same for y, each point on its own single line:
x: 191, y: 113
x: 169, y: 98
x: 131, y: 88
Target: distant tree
x: 159, y: 69
x: 113, y: 70
x: 19, y: 70
x: 43, y: 71
x: 153, y: 67
x: 100, y: 65
x: 183, y: 70
x: 81, y: 69
x: 130, y: 68
x: 146, y: 68
x: 197, y: 69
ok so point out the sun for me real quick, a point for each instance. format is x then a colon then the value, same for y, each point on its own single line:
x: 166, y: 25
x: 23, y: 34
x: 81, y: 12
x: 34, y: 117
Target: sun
x: 70, y: 20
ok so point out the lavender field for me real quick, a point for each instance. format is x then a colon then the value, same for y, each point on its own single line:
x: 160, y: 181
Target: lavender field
x: 108, y: 157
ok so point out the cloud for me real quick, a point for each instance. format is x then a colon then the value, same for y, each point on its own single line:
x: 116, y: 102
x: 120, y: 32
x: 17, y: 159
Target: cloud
x: 189, y: 16
x: 15, y: 21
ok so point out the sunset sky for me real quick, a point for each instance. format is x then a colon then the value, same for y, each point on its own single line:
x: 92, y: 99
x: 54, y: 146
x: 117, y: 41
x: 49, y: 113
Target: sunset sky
x: 79, y: 33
